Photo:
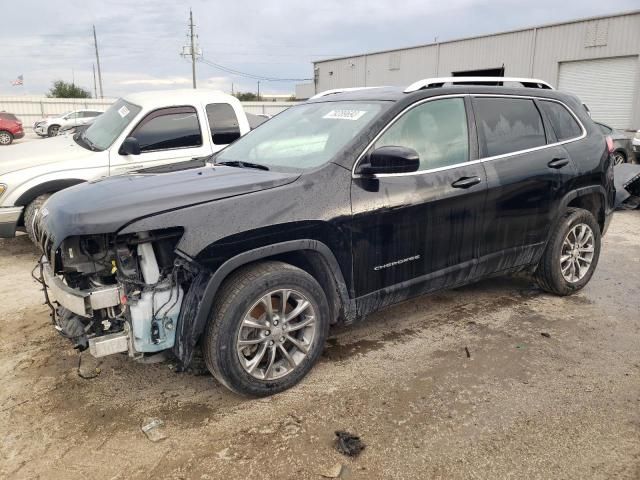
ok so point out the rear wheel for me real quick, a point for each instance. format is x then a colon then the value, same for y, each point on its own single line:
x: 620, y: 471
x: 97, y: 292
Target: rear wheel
x: 267, y: 329
x: 30, y: 214
x: 572, y: 254
x: 619, y: 158
x: 5, y: 137
x: 52, y: 131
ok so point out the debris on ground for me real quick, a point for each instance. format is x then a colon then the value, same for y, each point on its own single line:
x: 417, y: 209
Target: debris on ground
x: 152, y: 428
x: 348, y: 444
x: 545, y: 334
x: 87, y: 374
x: 333, y: 472
x: 466, y: 350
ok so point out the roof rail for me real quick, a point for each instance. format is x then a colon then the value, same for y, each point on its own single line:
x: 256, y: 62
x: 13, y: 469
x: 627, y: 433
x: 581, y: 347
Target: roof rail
x: 439, y: 82
x: 339, y: 90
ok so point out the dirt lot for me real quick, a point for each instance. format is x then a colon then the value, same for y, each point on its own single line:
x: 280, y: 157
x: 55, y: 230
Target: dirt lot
x: 524, y: 405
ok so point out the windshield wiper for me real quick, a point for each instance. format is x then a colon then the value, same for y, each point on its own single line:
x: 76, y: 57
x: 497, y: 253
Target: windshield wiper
x: 240, y: 164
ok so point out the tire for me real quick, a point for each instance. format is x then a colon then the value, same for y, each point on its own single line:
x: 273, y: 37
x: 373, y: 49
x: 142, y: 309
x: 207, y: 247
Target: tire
x: 241, y: 295
x: 552, y: 274
x: 5, y: 137
x: 619, y: 158
x: 30, y: 213
x: 52, y: 131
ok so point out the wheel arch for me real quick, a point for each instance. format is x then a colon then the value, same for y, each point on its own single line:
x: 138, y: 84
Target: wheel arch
x: 592, y: 199
x: 51, y: 186
x: 312, y: 256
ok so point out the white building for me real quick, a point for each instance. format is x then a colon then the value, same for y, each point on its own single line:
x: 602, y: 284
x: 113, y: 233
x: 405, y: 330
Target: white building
x: 596, y: 58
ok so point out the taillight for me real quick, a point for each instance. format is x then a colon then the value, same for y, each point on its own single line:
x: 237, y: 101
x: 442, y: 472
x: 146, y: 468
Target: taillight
x: 610, y: 146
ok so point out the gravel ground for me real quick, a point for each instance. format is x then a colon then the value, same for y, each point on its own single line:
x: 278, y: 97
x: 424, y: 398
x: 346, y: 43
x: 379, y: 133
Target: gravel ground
x: 522, y: 405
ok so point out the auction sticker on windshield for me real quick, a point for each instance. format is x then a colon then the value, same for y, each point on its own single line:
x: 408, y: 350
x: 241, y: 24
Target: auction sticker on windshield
x: 345, y: 114
x: 123, y: 111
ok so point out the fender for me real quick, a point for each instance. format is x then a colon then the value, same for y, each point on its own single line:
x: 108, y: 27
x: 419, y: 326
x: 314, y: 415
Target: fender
x: 51, y: 186
x: 202, y: 294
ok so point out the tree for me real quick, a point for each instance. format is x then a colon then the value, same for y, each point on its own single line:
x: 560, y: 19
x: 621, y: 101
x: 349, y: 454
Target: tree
x: 62, y: 89
x: 247, y: 97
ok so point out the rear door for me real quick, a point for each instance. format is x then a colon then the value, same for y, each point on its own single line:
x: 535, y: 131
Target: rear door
x: 166, y: 135
x: 527, y: 172
x: 416, y: 232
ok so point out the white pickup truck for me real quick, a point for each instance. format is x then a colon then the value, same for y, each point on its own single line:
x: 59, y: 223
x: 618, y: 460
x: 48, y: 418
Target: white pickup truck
x: 138, y: 131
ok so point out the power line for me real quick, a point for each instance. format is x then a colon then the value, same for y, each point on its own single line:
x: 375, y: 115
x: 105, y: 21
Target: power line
x: 250, y: 75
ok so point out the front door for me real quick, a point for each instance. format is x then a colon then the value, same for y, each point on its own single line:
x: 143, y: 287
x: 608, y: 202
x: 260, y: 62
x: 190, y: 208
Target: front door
x: 416, y: 232
x: 167, y: 135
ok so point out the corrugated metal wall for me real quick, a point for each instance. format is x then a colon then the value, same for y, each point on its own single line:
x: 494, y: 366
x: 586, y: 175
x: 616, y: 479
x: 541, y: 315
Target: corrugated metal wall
x: 533, y: 52
x: 29, y: 109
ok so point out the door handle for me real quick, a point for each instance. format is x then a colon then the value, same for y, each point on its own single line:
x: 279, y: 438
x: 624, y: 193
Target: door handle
x: 558, y: 163
x: 466, y: 182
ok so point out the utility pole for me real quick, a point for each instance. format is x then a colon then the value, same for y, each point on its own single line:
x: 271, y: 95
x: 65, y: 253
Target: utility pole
x: 193, y: 52
x: 95, y: 42
x: 95, y: 86
x: 258, y: 90
x: 192, y: 49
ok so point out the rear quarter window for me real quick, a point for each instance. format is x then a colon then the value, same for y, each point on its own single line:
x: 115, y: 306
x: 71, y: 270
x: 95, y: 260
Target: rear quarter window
x: 563, y: 123
x: 508, y: 125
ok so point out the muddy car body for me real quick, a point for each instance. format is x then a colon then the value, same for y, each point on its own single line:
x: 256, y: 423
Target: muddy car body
x: 329, y: 211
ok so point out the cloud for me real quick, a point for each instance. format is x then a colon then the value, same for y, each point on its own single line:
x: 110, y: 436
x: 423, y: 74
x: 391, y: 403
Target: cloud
x: 140, y: 41
x: 156, y: 82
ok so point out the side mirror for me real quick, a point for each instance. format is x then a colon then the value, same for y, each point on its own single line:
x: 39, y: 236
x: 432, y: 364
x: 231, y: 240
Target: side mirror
x: 130, y: 146
x: 391, y: 160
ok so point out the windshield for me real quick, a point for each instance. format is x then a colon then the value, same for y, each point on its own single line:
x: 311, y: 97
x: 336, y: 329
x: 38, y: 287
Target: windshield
x: 304, y: 136
x: 107, y: 127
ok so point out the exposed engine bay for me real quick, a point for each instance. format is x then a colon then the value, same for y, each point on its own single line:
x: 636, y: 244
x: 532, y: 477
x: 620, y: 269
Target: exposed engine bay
x: 114, y: 294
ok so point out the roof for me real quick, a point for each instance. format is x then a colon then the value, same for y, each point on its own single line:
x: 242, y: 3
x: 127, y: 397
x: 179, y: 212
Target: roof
x: 546, y: 25
x: 164, y: 98
x: 396, y: 94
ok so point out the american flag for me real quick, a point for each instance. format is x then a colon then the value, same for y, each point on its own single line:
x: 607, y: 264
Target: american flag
x: 18, y: 81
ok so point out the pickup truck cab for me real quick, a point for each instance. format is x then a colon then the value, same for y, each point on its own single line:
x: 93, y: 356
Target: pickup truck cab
x: 139, y: 131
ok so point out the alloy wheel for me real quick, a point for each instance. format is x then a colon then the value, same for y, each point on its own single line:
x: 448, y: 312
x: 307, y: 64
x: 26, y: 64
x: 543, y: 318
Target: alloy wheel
x: 577, y: 253
x: 5, y: 138
x: 618, y: 158
x: 276, y: 334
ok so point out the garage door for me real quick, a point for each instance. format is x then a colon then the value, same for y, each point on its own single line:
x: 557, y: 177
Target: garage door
x: 606, y: 85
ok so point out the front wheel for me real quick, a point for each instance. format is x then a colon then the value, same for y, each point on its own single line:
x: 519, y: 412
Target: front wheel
x: 267, y: 329
x: 30, y: 213
x: 572, y: 254
x: 5, y: 138
x: 53, y: 130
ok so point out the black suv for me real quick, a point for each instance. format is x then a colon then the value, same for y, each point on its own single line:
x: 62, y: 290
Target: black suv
x: 331, y: 210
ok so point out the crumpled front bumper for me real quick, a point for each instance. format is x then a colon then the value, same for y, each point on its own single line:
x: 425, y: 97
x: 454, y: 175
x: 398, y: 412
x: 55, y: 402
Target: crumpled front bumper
x: 80, y: 302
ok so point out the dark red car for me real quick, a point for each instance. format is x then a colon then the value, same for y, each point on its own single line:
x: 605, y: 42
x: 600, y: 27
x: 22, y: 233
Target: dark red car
x: 10, y: 128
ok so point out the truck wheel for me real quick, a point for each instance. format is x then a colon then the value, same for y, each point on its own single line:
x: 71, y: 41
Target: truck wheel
x: 267, y: 329
x: 619, y: 158
x: 30, y: 214
x: 5, y: 138
x: 52, y: 131
x: 572, y: 254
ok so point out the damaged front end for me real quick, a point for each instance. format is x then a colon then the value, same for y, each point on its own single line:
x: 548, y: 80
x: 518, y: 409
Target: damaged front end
x: 120, y: 293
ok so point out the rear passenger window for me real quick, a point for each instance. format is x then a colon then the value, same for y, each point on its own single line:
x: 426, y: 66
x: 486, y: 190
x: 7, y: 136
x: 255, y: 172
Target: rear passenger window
x: 563, y: 123
x: 437, y: 130
x: 508, y: 125
x: 223, y: 123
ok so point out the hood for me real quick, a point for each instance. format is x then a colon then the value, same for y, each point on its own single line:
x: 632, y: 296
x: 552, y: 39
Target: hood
x: 40, y: 152
x: 106, y: 205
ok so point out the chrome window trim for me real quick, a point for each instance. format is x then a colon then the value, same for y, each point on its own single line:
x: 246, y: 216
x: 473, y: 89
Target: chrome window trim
x: 472, y: 162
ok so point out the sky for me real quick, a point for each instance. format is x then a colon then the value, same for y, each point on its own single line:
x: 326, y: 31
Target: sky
x: 140, y: 40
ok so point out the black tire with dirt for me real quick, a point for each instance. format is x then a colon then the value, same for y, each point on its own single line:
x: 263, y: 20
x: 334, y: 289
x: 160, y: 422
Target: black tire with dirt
x: 6, y: 138
x: 52, y: 131
x: 549, y: 275
x: 30, y: 213
x: 235, y: 299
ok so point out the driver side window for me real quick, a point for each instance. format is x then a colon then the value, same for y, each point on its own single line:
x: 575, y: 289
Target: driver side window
x: 169, y: 128
x: 437, y: 130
